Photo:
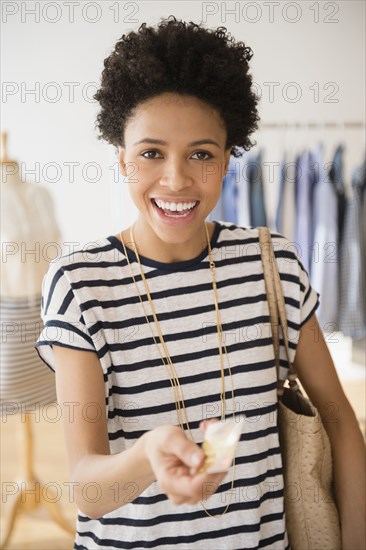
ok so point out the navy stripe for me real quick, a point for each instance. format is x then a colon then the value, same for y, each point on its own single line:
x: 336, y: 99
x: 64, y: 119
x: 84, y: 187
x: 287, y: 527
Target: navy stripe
x: 225, y: 487
x: 249, y: 367
x: 207, y: 328
x: 191, y: 312
x: 240, y: 262
x: 61, y: 344
x: 91, y: 265
x: 66, y: 302
x: 190, y: 356
x: 176, y: 359
x: 200, y: 514
x: 131, y: 435
x: 70, y: 328
x: 184, y: 380
x: 54, y: 282
x: 96, y: 250
x: 187, y: 539
x: 258, y: 456
x: 311, y: 312
x: 194, y: 402
x: 171, y: 292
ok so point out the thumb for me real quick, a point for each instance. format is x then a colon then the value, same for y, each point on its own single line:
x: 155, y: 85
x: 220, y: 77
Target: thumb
x: 187, y: 451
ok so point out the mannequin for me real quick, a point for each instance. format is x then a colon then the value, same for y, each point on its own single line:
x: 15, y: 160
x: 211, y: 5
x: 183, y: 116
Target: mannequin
x: 28, y: 227
x: 30, y: 237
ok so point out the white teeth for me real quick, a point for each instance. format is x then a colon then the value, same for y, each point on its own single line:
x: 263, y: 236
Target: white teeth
x: 175, y: 206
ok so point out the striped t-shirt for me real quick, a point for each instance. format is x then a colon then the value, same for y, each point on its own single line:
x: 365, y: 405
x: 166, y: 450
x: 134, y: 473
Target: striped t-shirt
x: 90, y: 302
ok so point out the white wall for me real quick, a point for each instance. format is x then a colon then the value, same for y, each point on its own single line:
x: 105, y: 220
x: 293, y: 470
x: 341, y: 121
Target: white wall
x: 324, y: 43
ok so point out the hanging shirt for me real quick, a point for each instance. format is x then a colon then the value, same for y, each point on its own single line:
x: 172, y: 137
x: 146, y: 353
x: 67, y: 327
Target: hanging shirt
x: 285, y: 212
x: 337, y: 180
x: 226, y: 207
x: 243, y: 201
x: 303, y: 224
x: 281, y: 188
x: 352, y: 316
x: 314, y: 175
x: 256, y: 191
x: 229, y: 195
x: 90, y: 303
x: 325, y: 261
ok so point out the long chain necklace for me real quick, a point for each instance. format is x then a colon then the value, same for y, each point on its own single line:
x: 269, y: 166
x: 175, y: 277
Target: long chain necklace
x: 174, y: 379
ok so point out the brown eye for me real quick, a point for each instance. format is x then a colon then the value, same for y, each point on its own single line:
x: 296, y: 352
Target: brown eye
x: 203, y: 153
x: 148, y: 152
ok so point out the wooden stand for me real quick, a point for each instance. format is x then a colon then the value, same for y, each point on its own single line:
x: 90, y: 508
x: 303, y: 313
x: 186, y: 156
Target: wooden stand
x: 32, y: 493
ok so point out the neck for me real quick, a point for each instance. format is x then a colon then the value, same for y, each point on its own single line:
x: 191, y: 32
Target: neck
x: 150, y: 245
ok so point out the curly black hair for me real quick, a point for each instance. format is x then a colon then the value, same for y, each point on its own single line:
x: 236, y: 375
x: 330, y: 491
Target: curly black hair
x: 182, y: 58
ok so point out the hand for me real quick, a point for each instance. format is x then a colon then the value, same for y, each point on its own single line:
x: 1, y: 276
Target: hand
x: 174, y: 459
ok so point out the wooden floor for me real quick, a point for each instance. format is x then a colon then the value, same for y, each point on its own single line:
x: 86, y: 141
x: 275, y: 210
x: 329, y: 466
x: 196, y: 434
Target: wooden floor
x: 37, y: 531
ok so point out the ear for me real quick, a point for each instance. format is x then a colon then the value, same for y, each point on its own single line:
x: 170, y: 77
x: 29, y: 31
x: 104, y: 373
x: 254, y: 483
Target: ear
x: 122, y: 163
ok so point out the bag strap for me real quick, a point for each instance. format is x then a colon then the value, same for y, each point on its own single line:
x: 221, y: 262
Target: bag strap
x: 276, y: 304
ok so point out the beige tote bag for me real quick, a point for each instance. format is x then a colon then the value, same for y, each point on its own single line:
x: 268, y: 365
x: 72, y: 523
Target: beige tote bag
x: 312, y: 519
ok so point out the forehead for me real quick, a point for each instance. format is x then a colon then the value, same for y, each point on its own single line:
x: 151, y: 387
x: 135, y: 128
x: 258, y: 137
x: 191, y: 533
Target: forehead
x: 175, y: 116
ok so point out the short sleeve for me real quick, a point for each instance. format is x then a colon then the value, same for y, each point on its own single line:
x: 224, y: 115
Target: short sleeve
x: 309, y: 297
x: 63, y: 323
x: 301, y: 299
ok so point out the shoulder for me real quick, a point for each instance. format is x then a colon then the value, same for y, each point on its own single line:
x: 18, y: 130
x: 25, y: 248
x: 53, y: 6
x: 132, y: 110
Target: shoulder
x: 88, y: 255
x: 231, y: 233
x: 243, y: 243
x: 79, y: 263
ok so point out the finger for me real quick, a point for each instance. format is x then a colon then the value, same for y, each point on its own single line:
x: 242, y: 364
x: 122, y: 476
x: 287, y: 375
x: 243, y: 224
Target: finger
x: 200, y: 488
x: 189, y: 487
x: 205, y: 423
x: 184, y: 485
x: 187, y: 451
x: 218, y: 478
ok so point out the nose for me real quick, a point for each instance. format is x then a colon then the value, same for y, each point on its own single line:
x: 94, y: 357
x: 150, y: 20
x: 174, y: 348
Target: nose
x: 175, y: 175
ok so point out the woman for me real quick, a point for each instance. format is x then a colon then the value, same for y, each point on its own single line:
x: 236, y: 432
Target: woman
x: 132, y: 329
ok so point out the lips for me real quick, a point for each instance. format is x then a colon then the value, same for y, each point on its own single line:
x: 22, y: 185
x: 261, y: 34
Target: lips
x: 175, y: 200
x: 173, y: 217
x: 184, y: 209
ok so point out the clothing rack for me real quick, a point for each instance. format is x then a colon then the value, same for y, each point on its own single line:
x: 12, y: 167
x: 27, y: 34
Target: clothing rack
x: 339, y: 125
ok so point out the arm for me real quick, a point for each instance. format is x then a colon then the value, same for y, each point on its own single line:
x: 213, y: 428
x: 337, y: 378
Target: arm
x: 163, y: 454
x: 317, y: 374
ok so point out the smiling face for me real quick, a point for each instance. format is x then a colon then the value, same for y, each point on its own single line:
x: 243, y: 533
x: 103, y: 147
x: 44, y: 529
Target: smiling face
x: 174, y: 153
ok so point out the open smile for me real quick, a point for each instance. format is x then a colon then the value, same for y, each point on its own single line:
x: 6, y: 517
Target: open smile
x: 180, y: 213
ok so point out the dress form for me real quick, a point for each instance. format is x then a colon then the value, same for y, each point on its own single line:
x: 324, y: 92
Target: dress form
x: 21, y: 279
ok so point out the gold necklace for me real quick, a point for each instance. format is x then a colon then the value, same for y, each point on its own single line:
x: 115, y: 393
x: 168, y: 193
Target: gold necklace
x: 174, y: 379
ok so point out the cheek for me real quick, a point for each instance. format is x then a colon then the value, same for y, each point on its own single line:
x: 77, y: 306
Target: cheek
x: 213, y: 187
x: 144, y: 177
x: 213, y: 171
x: 139, y: 190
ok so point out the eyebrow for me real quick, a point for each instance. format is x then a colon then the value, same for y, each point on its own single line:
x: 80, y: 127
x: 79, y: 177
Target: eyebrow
x: 193, y: 143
